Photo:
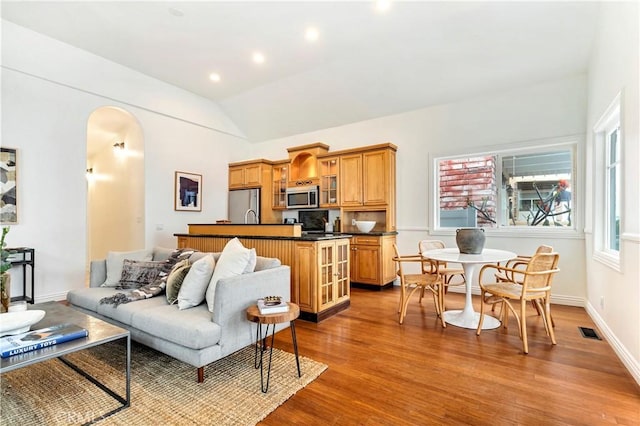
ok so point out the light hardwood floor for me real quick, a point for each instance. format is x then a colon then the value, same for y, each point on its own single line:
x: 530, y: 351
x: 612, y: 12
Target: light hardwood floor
x: 418, y: 373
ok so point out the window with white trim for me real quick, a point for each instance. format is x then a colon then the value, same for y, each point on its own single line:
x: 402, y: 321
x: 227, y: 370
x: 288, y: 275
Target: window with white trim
x: 612, y: 189
x: 608, y: 157
x: 529, y: 186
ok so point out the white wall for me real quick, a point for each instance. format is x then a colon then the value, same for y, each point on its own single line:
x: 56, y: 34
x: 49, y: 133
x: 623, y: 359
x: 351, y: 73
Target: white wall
x: 49, y: 90
x: 614, y: 68
x: 545, y: 110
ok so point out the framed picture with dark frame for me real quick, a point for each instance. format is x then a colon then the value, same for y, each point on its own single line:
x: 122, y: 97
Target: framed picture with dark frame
x: 188, y: 192
x: 8, y: 186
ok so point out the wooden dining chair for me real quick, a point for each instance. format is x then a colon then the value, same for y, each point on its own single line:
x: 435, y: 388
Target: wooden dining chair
x: 410, y: 283
x: 520, y: 263
x: 447, y: 270
x: 535, y: 286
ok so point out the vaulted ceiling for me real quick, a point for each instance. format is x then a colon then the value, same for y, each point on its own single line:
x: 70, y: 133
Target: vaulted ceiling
x: 364, y: 64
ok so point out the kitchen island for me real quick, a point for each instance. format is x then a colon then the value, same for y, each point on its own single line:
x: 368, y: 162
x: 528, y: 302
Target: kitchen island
x: 319, y: 263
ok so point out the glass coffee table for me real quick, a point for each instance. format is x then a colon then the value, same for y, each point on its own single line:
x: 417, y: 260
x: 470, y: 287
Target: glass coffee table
x: 100, y: 332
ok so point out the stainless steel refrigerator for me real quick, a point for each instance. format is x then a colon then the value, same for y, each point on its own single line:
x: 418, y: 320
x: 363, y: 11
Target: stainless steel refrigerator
x: 244, y: 204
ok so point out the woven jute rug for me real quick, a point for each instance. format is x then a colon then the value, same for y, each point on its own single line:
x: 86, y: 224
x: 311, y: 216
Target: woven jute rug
x: 164, y: 391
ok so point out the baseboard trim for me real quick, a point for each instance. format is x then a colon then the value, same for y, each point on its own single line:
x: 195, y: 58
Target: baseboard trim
x: 557, y: 299
x: 625, y: 356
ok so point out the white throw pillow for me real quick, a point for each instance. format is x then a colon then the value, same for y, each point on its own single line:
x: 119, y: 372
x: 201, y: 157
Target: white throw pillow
x: 114, y: 264
x: 253, y: 260
x: 195, y: 283
x: 233, y: 261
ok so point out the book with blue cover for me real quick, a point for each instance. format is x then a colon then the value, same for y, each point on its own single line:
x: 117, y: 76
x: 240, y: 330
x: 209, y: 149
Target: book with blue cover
x: 38, y: 339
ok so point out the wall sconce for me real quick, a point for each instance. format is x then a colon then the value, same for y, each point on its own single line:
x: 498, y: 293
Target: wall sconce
x: 118, y: 146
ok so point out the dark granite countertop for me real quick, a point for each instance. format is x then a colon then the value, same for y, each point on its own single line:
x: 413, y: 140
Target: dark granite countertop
x: 304, y: 237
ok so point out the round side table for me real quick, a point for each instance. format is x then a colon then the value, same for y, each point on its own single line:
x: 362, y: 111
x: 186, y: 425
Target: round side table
x: 254, y: 315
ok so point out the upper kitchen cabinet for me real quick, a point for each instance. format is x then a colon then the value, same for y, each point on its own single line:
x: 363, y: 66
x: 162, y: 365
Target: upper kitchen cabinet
x: 329, y: 181
x: 351, y: 179
x: 249, y: 174
x: 303, y: 168
x: 280, y: 180
x: 368, y: 176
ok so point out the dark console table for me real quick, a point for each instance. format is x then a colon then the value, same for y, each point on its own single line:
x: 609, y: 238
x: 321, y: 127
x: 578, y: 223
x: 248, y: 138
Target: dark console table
x: 26, y: 257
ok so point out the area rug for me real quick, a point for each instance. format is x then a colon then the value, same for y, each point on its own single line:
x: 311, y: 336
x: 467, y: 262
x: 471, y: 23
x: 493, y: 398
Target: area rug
x: 163, y: 390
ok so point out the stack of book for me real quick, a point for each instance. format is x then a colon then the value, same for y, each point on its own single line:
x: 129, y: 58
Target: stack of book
x: 38, y: 339
x: 272, y: 305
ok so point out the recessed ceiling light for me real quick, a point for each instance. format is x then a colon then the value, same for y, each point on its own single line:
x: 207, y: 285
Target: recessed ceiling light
x: 214, y: 76
x: 176, y: 12
x: 383, y: 5
x: 311, y: 34
x: 258, y: 58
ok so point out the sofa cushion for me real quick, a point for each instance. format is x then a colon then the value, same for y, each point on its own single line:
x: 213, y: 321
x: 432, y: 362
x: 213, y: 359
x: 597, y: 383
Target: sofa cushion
x: 138, y: 273
x: 89, y: 298
x: 125, y: 311
x: 263, y: 263
x: 115, y: 260
x: 233, y: 261
x: 192, y: 328
x: 194, y: 286
x: 175, y: 279
x: 162, y: 253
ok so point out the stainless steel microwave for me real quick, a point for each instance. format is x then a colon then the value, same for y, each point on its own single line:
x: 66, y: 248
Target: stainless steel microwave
x: 302, y: 197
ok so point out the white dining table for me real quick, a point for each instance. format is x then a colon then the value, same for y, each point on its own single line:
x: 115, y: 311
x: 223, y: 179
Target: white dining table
x: 468, y: 317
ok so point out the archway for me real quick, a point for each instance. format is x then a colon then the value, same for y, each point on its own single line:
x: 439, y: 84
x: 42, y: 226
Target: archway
x: 115, y: 183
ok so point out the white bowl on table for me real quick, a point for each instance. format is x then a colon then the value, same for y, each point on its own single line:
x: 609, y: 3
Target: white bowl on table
x: 365, y: 225
x: 19, y: 322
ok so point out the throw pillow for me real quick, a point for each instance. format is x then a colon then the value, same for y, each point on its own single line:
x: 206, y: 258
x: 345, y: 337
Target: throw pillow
x: 115, y: 260
x: 253, y: 260
x: 233, y: 261
x: 137, y: 273
x: 195, y: 284
x: 175, y: 280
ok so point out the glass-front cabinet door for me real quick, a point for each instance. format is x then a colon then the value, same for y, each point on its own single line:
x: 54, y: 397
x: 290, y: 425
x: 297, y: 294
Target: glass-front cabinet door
x: 329, y: 181
x: 343, y: 282
x: 280, y: 177
x: 326, y: 265
x: 333, y: 264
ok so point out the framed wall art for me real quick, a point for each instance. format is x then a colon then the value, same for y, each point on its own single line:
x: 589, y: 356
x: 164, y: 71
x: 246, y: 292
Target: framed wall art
x: 8, y: 186
x: 188, y: 192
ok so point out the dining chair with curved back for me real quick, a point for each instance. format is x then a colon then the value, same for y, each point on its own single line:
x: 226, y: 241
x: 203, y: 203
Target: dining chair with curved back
x: 410, y: 283
x: 443, y: 268
x: 519, y: 263
x: 534, y: 286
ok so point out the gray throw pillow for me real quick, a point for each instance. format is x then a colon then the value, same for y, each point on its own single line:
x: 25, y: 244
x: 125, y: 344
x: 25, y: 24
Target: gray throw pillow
x: 115, y: 261
x: 136, y: 273
x: 175, y: 279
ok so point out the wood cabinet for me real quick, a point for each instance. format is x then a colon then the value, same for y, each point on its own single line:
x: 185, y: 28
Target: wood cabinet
x: 329, y: 181
x: 321, y: 277
x: 371, y: 262
x: 249, y: 174
x: 320, y: 282
x: 368, y: 178
x: 376, y: 177
x: 279, y: 181
x: 351, y: 180
x: 304, y: 163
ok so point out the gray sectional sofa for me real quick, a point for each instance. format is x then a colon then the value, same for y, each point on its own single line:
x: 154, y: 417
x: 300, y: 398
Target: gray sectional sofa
x: 194, y: 336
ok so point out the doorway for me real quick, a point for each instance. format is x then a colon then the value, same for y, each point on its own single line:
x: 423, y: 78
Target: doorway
x: 115, y: 183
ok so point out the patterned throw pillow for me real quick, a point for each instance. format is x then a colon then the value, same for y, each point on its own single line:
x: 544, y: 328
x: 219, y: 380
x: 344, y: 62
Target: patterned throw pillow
x: 175, y: 279
x: 136, y: 274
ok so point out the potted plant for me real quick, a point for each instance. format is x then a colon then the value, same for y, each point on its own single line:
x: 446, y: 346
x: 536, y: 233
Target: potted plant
x: 5, y: 278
